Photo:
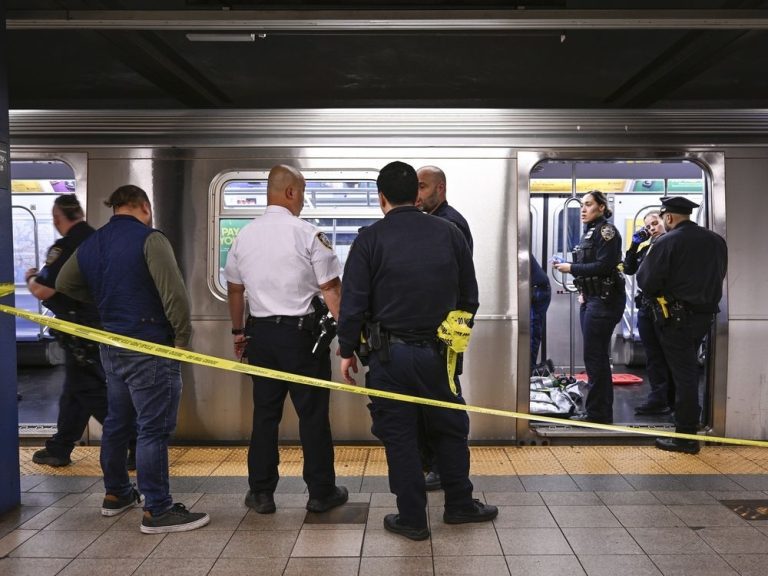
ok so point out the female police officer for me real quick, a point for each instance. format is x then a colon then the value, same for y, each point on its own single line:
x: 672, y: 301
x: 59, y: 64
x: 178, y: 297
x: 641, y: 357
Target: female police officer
x: 601, y: 293
x: 661, y: 398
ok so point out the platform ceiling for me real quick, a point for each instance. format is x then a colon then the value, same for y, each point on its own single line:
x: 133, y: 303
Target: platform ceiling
x: 102, y: 54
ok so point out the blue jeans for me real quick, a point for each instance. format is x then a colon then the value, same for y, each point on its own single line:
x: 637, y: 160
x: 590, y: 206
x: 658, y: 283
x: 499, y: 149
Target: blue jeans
x: 143, y: 393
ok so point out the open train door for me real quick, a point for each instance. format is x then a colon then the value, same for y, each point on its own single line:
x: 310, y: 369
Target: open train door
x: 551, y: 184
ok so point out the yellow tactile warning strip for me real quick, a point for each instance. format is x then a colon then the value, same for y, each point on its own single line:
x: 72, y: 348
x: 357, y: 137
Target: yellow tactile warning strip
x: 486, y: 461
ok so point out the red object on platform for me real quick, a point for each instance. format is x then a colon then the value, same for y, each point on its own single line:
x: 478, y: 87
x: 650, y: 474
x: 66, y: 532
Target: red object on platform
x: 618, y: 379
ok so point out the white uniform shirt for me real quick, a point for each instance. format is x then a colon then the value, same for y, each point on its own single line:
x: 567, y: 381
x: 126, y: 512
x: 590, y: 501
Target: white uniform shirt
x: 282, y: 261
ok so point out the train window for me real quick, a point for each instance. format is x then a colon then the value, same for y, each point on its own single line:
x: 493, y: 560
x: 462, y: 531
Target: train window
x: 338, y: 202
x: 35, y: 184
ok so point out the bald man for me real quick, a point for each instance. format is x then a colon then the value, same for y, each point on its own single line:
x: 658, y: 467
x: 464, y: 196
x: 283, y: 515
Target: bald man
x: 284, y: 263
x: 431, y: 199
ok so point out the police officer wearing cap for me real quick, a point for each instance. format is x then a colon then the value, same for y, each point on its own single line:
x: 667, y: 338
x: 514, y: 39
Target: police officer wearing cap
x: 404, y: 276
x: 661, y: 397
x: 684, y: 274
x: 84, y: 393
x: 602, y: 297
x: 283, y: 263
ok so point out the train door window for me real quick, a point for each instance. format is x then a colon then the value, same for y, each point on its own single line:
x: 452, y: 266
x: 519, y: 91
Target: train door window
x: 35, y: 185
x: 634, y: 189
x: 339, y: 203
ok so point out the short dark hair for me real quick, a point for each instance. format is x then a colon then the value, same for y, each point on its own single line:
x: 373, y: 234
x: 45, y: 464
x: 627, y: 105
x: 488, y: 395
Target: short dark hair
x: 128, y: 194
x: 399, y: 183
x: 69, y: 206
x: 602, y: 200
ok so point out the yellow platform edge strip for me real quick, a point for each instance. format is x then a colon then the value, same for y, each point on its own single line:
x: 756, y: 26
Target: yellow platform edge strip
x: 224, y: 364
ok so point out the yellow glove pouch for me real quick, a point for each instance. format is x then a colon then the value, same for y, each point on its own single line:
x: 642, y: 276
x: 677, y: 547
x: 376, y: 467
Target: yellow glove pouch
x: 454, y: 332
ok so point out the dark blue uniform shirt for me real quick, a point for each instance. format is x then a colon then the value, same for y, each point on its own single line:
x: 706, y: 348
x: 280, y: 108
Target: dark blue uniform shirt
x: 599, y: 251
x: 449, y: 213
x: 687, y: 264
x: 61, y: 304
x: 408, y: 271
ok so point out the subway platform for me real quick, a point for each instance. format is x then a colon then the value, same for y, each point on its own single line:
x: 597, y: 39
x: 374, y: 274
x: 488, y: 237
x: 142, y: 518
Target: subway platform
x: 563, y: 511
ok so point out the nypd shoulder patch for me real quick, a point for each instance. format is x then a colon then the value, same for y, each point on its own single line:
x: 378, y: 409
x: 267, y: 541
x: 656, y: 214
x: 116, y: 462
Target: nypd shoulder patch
x: 608, y: 232
x: 324, y: 240
x: 53, y: 255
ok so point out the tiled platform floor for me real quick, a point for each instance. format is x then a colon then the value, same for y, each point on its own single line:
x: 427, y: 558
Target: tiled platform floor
x: 563, y: 511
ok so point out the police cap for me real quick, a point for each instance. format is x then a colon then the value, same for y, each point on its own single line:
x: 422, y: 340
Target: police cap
x: 677, y: 205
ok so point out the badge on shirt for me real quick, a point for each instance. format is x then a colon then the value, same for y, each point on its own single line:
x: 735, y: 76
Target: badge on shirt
x: 607, y: 232
x: 53, y: 255
x: 324, y: 240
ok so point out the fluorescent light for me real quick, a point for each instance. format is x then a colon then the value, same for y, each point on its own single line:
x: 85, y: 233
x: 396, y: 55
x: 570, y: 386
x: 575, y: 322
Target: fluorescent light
x: 220, y: 37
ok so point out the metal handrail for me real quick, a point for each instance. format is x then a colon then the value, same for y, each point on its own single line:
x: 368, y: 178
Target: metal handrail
x: 633, y: 286
x: 42, y: 328
x: 568, y: 287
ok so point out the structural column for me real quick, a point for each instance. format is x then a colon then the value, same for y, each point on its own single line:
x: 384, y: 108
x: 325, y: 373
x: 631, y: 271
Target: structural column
x: 9, y: 412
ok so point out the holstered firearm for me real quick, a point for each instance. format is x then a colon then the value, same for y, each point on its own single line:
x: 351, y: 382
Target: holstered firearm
x: 659, y: 311
x: 326, y: 333
x: 324, y: 328
x: 378, y: 340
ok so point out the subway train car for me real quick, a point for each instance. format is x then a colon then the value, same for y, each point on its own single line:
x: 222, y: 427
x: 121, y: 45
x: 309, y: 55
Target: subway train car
x: 515, y: 175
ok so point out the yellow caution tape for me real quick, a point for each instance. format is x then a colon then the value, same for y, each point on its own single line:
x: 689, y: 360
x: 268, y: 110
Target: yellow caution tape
x: 454, y: 332
x: 233, y: 366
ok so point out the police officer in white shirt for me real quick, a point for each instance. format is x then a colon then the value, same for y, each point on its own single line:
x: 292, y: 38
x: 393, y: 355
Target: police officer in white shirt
x: 283, y: 262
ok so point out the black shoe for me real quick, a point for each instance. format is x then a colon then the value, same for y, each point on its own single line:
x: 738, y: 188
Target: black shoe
x: 338, y: 497
x: 653, y: 410
x: 678, y: 445
x: 392, y: 524
x: 114, y: 505
x: 131, y: 462
x: 432, y: 481
x: 177, y: 519
x: 261, y: 502
x: 47, y: 459
x: 477, y: 512
x: 587, y: 418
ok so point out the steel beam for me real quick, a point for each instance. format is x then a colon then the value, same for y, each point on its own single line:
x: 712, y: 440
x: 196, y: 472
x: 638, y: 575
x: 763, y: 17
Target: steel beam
x: 383, y: 20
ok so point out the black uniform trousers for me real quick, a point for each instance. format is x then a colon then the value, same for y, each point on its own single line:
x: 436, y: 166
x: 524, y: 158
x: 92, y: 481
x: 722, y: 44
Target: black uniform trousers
x: 289, y: 349
x: 598, y: 320
x: 419, y: 370
x: 426, y: 450
x: 662, y: 393
x: 680, y: 342
x: 83, y: 395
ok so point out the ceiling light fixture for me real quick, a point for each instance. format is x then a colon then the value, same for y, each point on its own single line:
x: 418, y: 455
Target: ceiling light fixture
x: 220, y: 37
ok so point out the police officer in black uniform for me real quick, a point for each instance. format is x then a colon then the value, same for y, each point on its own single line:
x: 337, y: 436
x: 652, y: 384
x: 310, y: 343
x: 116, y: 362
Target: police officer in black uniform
x: 85, y: 386
x: 602, y: 297
x: 403, y: 276
x: 684, y: 275
x: 661, y: 398
x: 432, y: 200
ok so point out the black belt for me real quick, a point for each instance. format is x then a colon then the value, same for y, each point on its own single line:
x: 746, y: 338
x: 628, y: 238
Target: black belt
x: 547, y: 285
x: 421, y: 343
x: 305, y: 322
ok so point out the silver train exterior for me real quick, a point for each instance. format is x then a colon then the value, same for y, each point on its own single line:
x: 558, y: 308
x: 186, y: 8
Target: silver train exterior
x: 180, y: 157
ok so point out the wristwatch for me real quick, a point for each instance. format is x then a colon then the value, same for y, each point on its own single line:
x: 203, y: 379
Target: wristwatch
x: 238, y: 331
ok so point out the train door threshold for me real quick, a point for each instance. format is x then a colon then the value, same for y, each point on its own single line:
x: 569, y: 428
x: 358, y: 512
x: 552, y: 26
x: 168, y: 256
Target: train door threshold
x: 36, y: 430
x: 566, y: 430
